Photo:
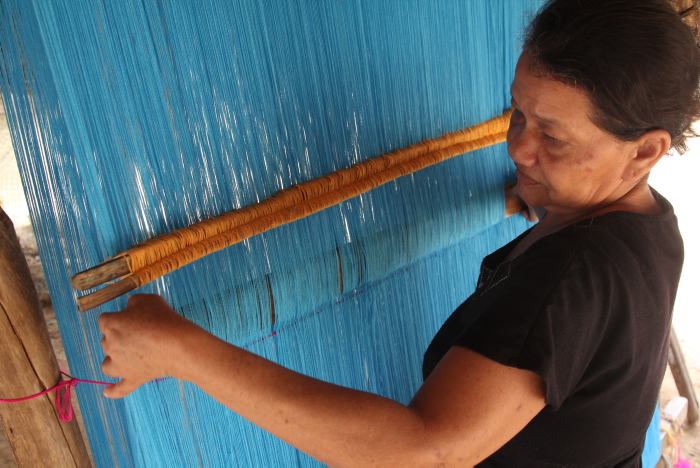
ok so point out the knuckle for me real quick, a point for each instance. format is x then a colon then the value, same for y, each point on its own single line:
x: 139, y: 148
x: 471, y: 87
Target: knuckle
x: 135, y: 299
x: 108, y: 367
x: 106, y: 321
x: 140, y: 298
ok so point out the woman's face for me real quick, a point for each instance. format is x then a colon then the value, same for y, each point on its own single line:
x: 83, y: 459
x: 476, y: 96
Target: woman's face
x: 564, y: 162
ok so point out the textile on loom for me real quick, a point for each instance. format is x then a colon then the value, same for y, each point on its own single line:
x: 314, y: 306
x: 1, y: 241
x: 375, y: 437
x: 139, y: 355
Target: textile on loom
x: 131, y: 119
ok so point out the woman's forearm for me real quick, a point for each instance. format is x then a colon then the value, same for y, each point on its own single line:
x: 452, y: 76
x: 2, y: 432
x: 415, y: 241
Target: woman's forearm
x: 334, y: 424
x: 468, y: 408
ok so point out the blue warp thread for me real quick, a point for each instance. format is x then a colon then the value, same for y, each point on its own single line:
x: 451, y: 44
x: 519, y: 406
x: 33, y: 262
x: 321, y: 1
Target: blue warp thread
x: 132, y: 118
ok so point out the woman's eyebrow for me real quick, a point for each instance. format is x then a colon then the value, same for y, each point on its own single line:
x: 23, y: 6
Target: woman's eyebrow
x: 544, y: 121
x: 549, y: 122
x: 554, y: 127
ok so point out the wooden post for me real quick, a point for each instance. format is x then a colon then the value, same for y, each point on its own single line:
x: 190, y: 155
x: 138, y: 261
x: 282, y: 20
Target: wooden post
x: 676, y: 362
x: 28, y: 365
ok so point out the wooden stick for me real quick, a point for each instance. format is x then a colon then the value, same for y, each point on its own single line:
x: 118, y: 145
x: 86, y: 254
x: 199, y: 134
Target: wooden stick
x: 106, y: 294
x: 109, y: 270
x: 676, y: 362
x: 265, y: 222
x: 168, y: 244
x: 28, y: 365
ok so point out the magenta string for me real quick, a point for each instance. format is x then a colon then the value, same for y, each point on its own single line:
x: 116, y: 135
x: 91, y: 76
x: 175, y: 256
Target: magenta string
x: 63, y: 389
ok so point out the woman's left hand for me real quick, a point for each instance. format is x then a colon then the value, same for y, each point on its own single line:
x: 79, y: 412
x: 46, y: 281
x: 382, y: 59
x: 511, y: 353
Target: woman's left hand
x: 467, y: 408
x: 141, y: 343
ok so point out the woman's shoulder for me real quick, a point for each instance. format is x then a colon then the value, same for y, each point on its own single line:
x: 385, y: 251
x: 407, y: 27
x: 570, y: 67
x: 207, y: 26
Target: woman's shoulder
x: 617, y: 235
x: 634, y: 240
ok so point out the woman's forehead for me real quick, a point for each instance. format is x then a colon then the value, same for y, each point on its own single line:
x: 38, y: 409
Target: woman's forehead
x: 550, y: 101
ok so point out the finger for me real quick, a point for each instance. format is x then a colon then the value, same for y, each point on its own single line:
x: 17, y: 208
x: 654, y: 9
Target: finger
x: 108, y: 367
x: 104, y: 343
x: 105, y: 321
x: 121, y: 389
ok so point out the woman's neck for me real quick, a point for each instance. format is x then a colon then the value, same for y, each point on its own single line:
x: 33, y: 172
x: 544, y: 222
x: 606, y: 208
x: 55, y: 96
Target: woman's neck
x: 639, y: 199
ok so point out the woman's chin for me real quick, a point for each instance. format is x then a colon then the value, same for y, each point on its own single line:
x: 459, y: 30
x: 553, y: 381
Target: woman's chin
x: 533, y: 195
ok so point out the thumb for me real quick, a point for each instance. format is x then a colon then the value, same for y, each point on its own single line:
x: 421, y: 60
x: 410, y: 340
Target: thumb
x: 121, y: 388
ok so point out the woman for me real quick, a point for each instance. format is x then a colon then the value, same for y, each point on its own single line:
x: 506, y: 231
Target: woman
x: 557, y: 357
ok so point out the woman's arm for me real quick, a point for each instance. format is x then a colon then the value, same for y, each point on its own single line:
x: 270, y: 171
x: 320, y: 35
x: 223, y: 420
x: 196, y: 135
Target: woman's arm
x: 466, y: 410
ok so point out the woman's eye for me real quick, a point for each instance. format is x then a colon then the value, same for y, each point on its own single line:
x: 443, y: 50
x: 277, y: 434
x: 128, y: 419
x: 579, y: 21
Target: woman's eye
x: 517, y: 117
x: 551, y: 139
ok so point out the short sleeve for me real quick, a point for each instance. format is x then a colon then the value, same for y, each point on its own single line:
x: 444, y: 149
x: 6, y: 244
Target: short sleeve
x: 548, y: 322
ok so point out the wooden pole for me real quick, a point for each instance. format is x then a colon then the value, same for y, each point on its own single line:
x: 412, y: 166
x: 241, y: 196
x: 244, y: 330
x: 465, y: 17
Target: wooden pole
x: 676, y: 362
x: 27, y: 366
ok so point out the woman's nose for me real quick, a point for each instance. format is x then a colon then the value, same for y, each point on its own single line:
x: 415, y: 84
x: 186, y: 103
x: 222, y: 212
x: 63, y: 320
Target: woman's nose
x: 522, y: 146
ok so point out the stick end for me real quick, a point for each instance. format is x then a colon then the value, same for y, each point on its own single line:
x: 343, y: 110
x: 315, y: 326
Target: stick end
x: 106, y: 294
x: 106, y: 271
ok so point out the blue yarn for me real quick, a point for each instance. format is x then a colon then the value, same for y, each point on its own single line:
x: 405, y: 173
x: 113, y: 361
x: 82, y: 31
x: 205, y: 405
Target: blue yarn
x: 652, y: 441
x: 133, y: 118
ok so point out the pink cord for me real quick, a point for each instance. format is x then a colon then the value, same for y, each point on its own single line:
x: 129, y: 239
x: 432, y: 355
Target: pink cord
x: 64, y: 406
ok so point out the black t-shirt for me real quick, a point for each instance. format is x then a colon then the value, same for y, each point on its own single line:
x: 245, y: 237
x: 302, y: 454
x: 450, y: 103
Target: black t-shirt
x: 588, y: 309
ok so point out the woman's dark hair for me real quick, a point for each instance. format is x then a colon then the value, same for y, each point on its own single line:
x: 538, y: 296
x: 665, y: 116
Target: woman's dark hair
x: 636, y: 59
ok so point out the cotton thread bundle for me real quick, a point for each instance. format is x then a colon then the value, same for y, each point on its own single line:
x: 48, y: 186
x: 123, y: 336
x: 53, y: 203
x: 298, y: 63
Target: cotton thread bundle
x: 166, y: 253
x: 135, y: 118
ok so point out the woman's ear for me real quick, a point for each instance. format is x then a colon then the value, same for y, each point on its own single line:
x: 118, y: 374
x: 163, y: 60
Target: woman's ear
x: 648, y: 150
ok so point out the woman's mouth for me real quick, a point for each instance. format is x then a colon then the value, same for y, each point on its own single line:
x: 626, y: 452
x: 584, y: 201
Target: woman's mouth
x: 523, y: 179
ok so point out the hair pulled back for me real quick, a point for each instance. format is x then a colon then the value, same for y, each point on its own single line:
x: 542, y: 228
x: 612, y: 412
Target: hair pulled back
x: 636, y: 59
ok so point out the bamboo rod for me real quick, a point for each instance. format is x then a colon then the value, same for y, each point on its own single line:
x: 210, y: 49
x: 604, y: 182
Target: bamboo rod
x: 162, y: 246
x: 166, y: 253
x: 109, y: 270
